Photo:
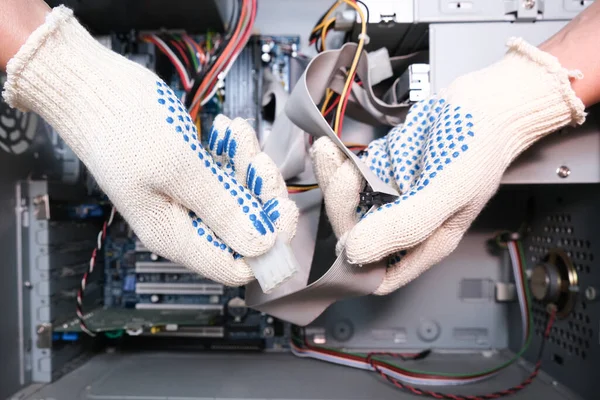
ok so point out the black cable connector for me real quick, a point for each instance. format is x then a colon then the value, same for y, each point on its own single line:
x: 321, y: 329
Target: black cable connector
x: 369, y: 198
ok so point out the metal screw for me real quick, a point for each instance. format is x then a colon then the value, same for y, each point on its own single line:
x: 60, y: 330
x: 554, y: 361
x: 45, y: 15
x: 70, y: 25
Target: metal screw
x: 563, y: 171
x: 528, y: 4
x: 590, y: 293
x: 41, y: 329
x: 268, y: 332
x: 28, y: 285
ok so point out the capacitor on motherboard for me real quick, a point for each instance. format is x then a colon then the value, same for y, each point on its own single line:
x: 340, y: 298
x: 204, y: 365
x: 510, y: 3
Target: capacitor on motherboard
x: 237, y: 308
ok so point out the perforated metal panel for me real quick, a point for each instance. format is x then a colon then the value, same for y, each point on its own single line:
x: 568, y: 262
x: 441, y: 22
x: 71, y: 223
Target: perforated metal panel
x: 568, y: 217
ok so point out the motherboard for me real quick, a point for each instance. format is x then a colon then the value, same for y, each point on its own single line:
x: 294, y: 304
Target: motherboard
x: 147, y: 295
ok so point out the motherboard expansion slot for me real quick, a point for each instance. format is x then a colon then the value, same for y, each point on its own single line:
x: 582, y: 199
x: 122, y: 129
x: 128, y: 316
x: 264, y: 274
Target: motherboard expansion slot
x: 160, y: 267
x: 172, y: 306
x: 179, y: 288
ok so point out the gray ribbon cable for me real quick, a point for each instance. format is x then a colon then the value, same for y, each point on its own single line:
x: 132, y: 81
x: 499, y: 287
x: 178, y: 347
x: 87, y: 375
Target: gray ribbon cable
x: 297, y: 301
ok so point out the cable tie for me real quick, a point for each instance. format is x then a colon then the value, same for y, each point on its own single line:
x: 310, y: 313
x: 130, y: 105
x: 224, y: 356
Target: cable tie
x: 364, y: 37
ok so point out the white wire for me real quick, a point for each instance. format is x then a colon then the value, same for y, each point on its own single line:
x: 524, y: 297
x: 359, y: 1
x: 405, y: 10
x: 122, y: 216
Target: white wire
x: 515, y: 261
x: 223, y: 75
x: 188, y: 83
x: 387, y: 371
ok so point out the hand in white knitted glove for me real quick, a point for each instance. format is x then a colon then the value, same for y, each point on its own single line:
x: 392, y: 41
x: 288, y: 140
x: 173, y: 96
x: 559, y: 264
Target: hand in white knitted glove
x: 447, y: 159
x: 200, y: 208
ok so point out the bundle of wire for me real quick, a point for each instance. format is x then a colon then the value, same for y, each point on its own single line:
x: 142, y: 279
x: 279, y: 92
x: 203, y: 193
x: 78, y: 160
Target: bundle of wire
x: 404, y: 378
x: 84, y: 279
x: 200, y: 66
x: 187, y: 56
x: 318, y: 36
x: 205, y: 85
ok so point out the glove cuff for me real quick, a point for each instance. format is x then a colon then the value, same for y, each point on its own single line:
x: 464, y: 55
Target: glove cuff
x: 567, y: 99
x: 72, y: 81
x: 28, y: 67
x: 519, y: 99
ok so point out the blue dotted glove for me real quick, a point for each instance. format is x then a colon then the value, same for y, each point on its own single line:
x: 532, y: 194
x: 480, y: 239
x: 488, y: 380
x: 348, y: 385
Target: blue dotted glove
x: 447, y: 160
x: 202, y: 208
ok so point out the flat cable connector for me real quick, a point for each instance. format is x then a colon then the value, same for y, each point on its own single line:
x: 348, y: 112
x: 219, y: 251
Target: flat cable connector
x: 275, y: 266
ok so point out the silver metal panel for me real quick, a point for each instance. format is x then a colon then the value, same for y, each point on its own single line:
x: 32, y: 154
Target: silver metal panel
x: 23, y: 153
x: 12, y: 340
x: 49, y: 245
x: 486, y: 10
x: 451, y: 306
x: 168, y: 376
x: 456, y: 49
x: 577, y: 149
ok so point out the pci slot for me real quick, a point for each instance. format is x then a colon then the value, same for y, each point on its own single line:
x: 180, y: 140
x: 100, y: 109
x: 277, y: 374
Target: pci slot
x: 179, y: 288
x: 199, y: 332
x: 170, y: 306
x: 139, y: 247
x: 160, y: 267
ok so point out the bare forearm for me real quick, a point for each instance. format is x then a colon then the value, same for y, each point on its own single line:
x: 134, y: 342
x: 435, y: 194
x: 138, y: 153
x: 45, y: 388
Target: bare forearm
x: 18, y: 19
x: 576, y: 47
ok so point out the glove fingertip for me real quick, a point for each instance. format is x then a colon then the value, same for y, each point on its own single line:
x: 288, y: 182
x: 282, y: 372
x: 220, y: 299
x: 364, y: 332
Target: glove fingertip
x: 327, y: 158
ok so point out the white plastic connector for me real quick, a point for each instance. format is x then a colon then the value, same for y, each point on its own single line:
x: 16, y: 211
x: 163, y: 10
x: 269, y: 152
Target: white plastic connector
x: 380, y: 66
x: 345, y: 20
x: 274, y: 267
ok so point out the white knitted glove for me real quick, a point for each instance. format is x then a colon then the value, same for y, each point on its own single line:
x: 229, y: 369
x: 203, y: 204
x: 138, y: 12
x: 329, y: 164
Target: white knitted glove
x: 447, y: 160
x: 140, y: 144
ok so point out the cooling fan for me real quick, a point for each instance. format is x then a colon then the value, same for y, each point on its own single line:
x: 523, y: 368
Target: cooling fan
x: 17, y: 129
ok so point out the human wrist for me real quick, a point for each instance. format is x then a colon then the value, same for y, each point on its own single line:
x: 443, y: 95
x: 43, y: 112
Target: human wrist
x: 18, y: 19
x: 575, y: 46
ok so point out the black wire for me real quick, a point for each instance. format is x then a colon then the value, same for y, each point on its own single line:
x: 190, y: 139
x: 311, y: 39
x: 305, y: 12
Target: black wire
x: 301, y: 185
x: 167, y: 37
x: 366, y: 8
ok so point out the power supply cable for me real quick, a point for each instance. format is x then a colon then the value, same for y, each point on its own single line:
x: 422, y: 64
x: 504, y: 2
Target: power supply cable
x: 362, y: 37
x: 84, y: 280
x: 488, y: 396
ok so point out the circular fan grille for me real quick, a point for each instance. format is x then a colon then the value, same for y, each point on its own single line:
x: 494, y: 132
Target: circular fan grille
x: 17, y: 129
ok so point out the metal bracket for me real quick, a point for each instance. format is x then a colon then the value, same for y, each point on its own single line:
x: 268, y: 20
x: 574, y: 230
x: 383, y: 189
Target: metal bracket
x: 525, y: 10
x: 44, y: 336
x: 41, y: 207
x: 505, y: 292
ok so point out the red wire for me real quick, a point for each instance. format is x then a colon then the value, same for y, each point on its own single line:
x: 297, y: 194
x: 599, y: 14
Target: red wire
x: 331, y: 107
x: 182, y: 53
x: 344, y: 104
x: 220, y: 64
x: 488, y: 396
x: 86, y: 275
x: 179, y: 71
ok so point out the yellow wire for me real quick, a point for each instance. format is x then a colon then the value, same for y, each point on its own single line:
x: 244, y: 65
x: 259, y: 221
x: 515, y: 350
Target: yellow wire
x: 359, y: 49
x: 328, y: 95
x: 303, y: 188
x: 331, y: 10
x: 324, y: 32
